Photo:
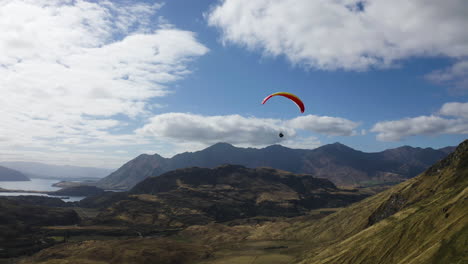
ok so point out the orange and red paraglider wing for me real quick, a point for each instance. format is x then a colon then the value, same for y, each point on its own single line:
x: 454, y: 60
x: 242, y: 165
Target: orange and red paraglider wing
x: 290, y: 96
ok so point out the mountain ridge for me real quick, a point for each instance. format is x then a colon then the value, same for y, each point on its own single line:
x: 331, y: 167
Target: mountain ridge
x: 337, y: 162
x: 7, y: 174
x: 398, y: 225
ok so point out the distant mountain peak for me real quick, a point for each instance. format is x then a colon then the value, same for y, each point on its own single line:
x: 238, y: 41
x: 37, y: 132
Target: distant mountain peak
x: 276, y: 146
x: 448, y: 150
x: 336, y: 146
x: 144, y: 155
x: 221, y: 145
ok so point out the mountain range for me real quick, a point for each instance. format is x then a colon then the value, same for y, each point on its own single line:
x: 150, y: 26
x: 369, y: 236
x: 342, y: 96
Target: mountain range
x: 420, y: 221
x: 233, y: 214
x: 41, y: 170
x: 423, y: 220
x: 341, y: 164
x: 7, y: 174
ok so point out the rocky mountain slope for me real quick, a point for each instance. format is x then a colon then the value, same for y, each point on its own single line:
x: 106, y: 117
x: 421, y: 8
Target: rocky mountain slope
x: 7, y: 174
x: 337, y: 162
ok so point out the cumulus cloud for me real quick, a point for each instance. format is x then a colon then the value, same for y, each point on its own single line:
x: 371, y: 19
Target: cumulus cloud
x: 454, y: 77
x: 69, y: 67
x: 334, y: 126
x: 345, y: 34
x: 455, y: 109
x: 236, y: 129
x: 302, y: 143
x: 426, y: 125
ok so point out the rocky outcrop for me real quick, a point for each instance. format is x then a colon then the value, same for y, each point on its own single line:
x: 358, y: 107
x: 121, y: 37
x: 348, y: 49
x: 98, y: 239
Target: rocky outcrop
x: 395, y: 203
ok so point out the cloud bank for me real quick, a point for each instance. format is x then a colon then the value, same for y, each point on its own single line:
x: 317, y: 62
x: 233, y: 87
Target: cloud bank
x: 236, y: 129
x: 345, y: 34
x: 70, y: 67
x: 426, y: 125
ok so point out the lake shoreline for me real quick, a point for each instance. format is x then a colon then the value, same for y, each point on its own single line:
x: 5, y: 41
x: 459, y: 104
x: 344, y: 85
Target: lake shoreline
x: 36, y: 187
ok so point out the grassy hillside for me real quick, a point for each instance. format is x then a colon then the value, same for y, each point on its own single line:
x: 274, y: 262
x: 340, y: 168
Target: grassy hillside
x: 150, y: 250
x: 423, y: 220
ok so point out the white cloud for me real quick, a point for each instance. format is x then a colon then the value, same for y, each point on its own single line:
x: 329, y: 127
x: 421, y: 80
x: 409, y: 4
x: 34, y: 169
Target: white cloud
x: 345, y: 34
x: 302, y: 143
x: 69, y: 67
x: 426, y: 125
x: 244, y: 131
x: 454, y: 77
x: 334, y: 126
x: 455, y: 109
x: 233, y: 129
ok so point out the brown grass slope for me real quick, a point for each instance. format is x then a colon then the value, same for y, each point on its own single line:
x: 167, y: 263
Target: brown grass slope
x: 144, y: 250
x: 423, y: 220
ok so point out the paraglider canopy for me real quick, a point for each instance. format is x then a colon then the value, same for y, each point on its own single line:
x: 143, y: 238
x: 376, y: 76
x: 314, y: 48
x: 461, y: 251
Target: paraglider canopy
x: 290, y: 96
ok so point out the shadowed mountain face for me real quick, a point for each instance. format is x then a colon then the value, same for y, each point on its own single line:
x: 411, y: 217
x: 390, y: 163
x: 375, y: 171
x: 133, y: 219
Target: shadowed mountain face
x: 336, y: 162
x: 7, y: 174
x: 135, y: 171
x: 200, y: 195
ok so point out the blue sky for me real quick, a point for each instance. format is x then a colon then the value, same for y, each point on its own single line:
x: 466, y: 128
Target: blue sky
x: 98, y: 83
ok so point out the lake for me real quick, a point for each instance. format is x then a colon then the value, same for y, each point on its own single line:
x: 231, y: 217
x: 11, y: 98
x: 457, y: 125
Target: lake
x: 35, y: 184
